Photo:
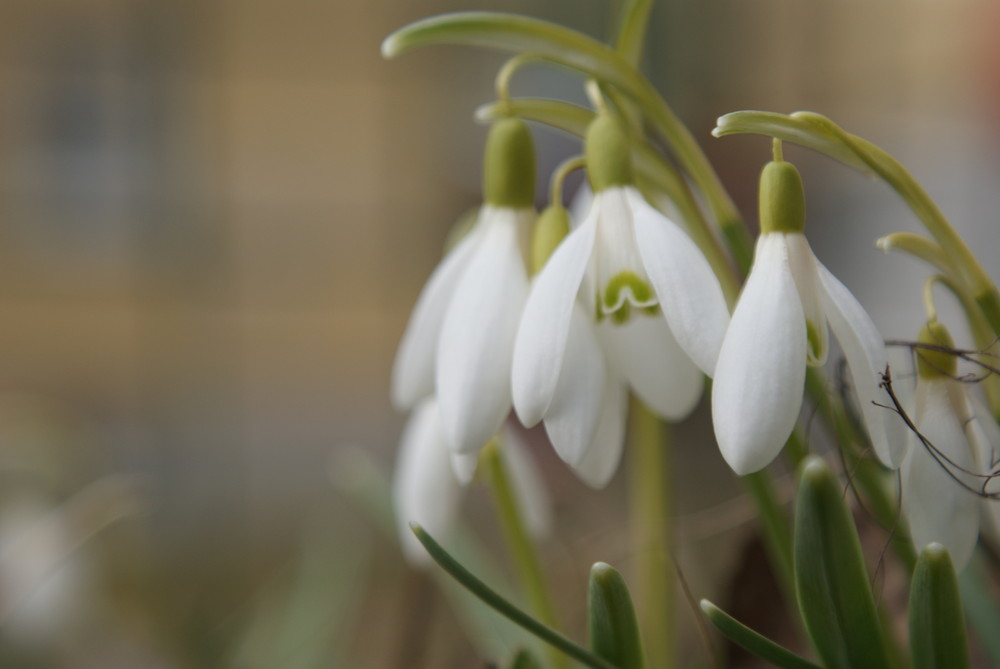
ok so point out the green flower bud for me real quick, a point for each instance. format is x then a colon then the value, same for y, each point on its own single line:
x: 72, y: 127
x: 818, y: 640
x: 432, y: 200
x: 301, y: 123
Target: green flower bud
x: 551, y: 228
x: 936, y: 364
x: 509, y: 165
x: 782, y: 199
x: 609, y: 156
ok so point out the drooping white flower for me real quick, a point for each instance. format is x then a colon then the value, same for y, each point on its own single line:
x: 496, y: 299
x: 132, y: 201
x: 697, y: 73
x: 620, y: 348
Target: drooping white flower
x: 459, y: 342
x: 939, y: 473
x: 780, y: 325
x: 429, y: 478
x: 626, y: 301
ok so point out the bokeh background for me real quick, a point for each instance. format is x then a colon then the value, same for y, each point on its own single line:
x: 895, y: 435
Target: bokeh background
x: 215, y: 217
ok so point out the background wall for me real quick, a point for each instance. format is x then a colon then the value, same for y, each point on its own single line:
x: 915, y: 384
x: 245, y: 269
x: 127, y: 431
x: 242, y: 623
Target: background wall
x: 215, y: 217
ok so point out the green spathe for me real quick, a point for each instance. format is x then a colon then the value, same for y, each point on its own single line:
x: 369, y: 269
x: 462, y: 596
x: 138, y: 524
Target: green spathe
x: 551, y: 228
x: 937, y: 626
x: 933, y: 364
x: 609, y: 156
x: 782, y: 198
x: 509, y: 165
x: 614, y: 632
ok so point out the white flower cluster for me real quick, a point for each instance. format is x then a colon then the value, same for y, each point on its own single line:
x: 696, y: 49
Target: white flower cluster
x: 627, y: 302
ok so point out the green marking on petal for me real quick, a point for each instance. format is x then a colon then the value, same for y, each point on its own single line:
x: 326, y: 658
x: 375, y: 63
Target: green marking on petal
x: 817, y: 353
x: 622, y: 314
x: 641, y: 292
x: 624, y: 291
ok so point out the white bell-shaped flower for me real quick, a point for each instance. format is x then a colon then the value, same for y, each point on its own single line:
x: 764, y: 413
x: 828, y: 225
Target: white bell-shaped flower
x: 459, y: 342
x: 626, y: 301
x: 780, y: 325
x: 429, y: 478
x: 940, y: 474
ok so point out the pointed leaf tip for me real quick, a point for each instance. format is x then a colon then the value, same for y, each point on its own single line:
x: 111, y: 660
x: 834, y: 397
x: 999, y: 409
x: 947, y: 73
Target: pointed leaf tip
x: 614, y: 632
x: 831, y: 580
x: 937, y: 625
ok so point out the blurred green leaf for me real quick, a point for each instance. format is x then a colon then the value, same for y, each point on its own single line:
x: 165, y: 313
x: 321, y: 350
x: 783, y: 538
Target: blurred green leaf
x: 980, y: 607
x: 614, y: 632
x: 752, y: 641
x: 524, y: 660
x: 830, y: 576
x: 937, y: 628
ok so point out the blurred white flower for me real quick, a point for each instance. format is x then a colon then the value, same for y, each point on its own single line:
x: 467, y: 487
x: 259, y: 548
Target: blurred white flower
x: 429, y: 477
x: 626, y: 301
x: 938, y: 476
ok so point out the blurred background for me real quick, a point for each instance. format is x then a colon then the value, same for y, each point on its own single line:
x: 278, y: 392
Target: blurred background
x: 215, y: 217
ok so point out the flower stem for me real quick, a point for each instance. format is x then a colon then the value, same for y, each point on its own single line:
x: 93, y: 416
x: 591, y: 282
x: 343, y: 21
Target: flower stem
x: 632, y: 30
x: 519, y: 543
x: 651, y: 529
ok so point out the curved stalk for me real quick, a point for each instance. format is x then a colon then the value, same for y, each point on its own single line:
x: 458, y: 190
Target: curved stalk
x: 572, y: 49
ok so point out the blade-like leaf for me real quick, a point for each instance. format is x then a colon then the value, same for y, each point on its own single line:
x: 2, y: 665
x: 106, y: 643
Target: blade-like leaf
x: 830, y: 577
x: 491, y: 598
x: 614, y: 632
x: 752, y: 641
x: 937, y: 627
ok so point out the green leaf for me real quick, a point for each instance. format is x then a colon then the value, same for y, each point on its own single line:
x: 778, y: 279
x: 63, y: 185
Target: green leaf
x: 980, y: 607
x: 493, y: 599
x: 830, y: 577
x: 937, y: 627
x: 614, y: 632
x: 524, y: 660
x: 752, y: 641
x: 520, y: 34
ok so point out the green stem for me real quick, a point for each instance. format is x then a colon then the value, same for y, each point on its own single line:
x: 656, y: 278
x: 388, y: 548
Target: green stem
x: 577, y: 51
x: 651, y: 529
x: 519, y: 543
x: 776, y: 533
x: 632, y: 30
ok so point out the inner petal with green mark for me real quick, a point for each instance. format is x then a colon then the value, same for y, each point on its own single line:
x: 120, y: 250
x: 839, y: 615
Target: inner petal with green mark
x: 816, y: 344
x: 621, y: 293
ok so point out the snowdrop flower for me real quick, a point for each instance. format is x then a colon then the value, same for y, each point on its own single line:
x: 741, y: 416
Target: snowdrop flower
x: 778, y: 327
x: 460, y: 339
x: 429, y: 478
x: 937, y: 476
x: 626, y: 301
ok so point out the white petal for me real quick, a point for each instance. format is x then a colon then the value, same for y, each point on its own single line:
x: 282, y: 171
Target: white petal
x: 572, y: 416
x: 605, y: 451
x: 477, y: 338
x: 688, y: 291
x: 645, y: 354
x: 983, y: 434
x: 413, y: 371
x: 463, y: 465
x: 867, y: 359
x: 805, y: 272
x: 541, y: 337
x: 936, y: 506
x: 424, y: 489
x: 761, y: 371
x: 529, y: 487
